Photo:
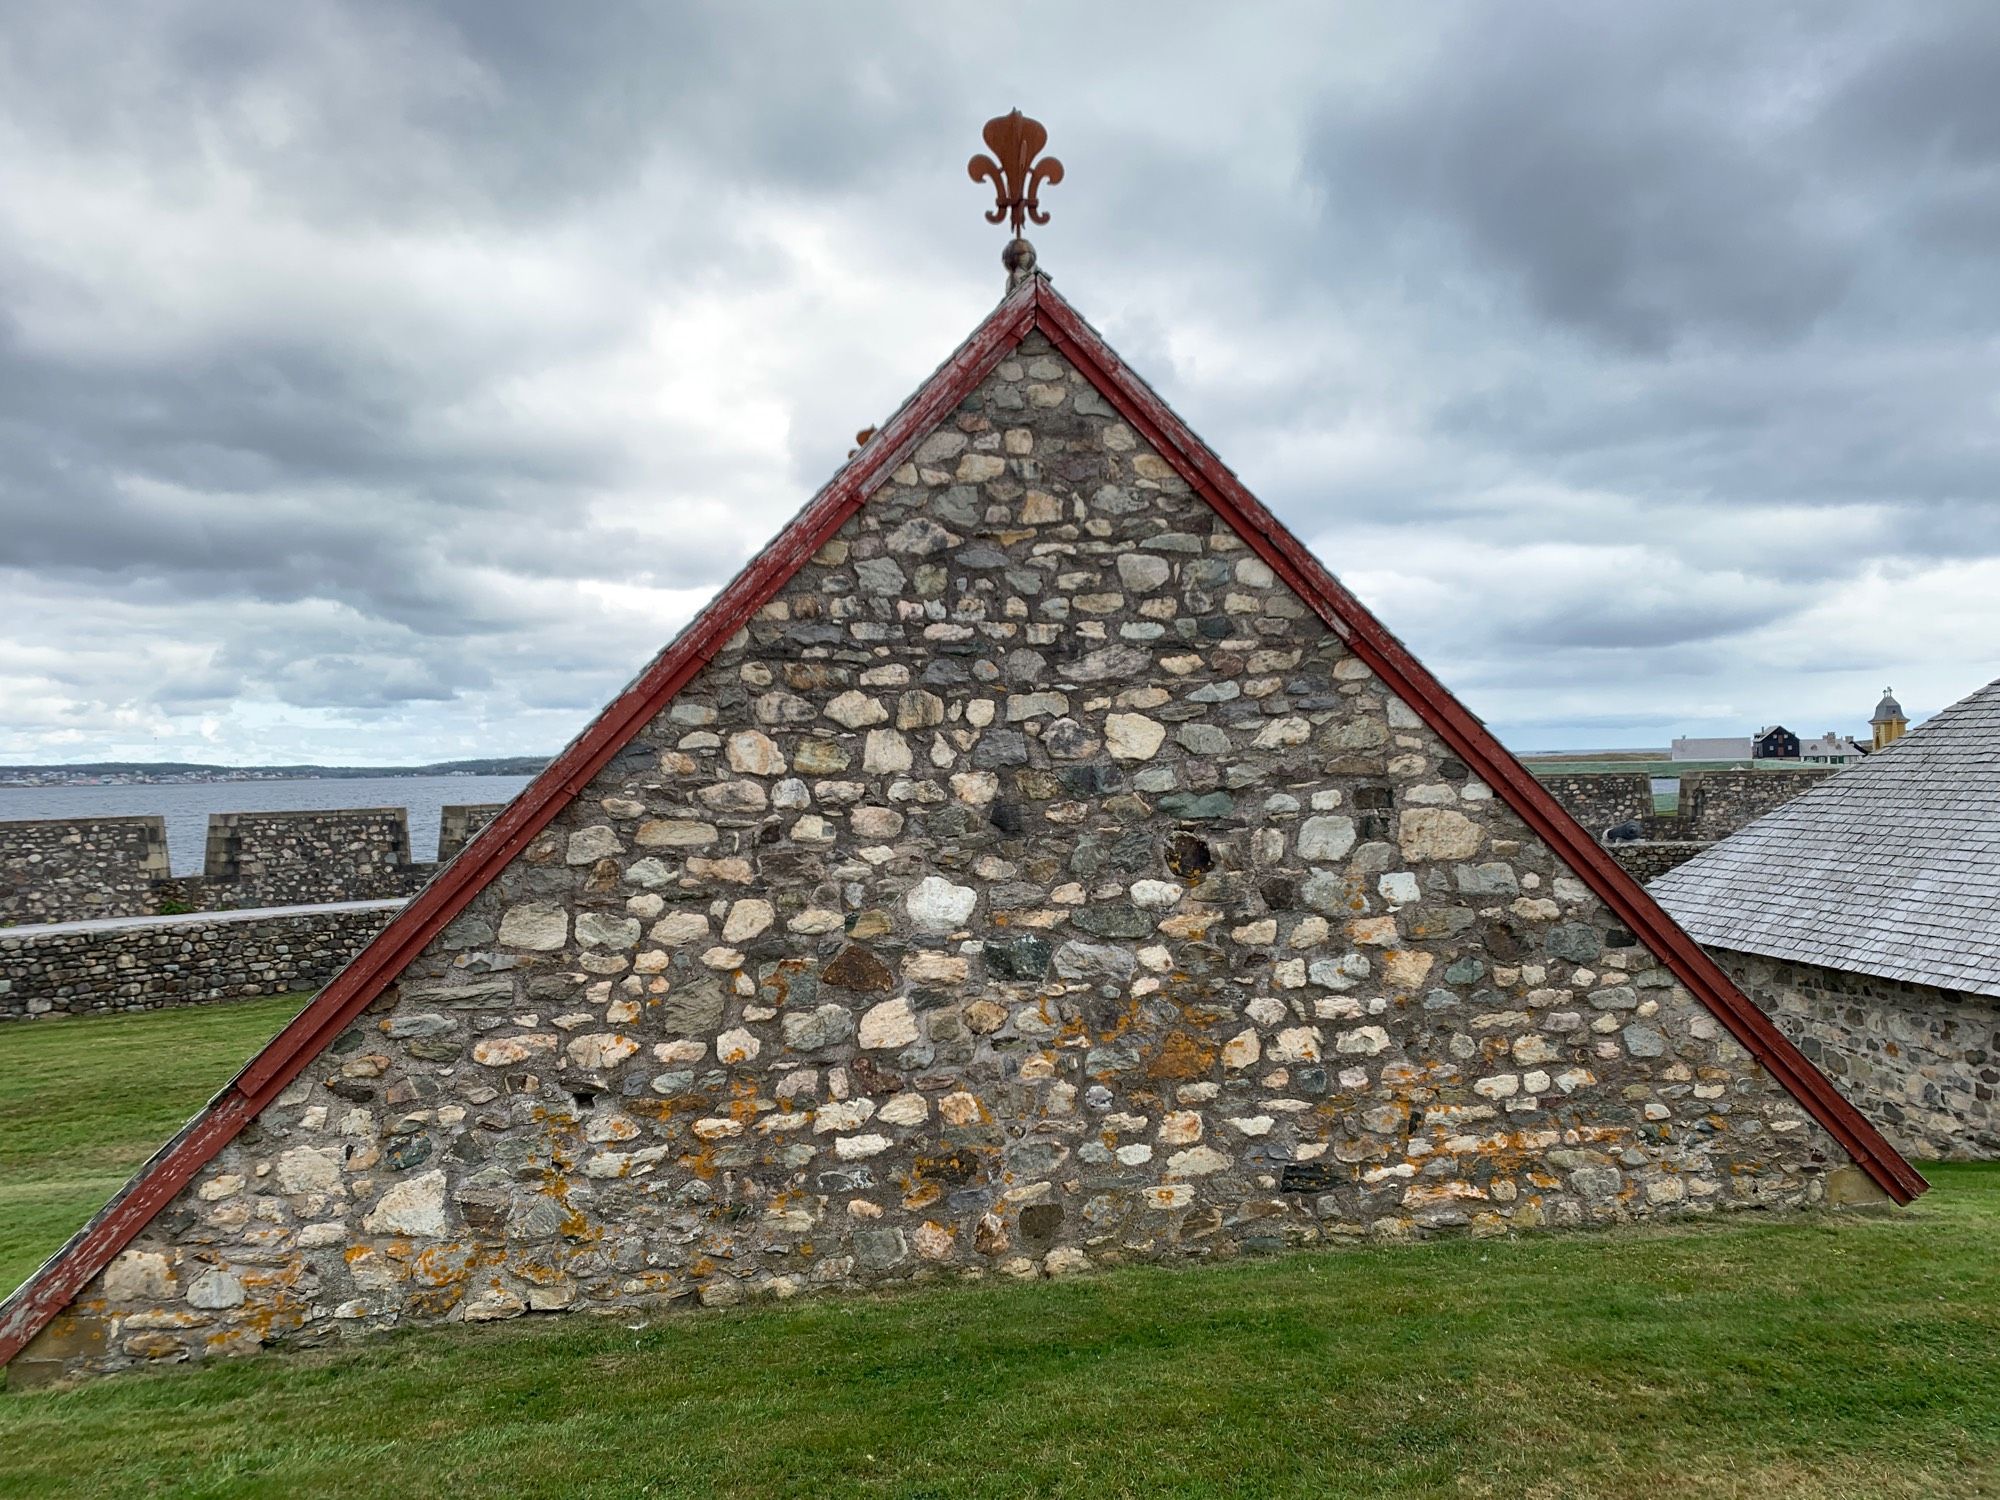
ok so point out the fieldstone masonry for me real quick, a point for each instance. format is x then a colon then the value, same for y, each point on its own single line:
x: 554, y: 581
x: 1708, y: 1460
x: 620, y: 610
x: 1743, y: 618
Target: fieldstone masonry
x: 63, y: 869
x: 1036, y: 884
x: 79, y: 869
x: 1602, y: 800
x: 1923, y: 1063
x: 292, y: 858
x: 160, y: 962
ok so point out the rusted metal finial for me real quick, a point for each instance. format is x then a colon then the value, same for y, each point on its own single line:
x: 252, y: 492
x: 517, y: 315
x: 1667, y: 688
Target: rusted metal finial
x: 1016, y: 176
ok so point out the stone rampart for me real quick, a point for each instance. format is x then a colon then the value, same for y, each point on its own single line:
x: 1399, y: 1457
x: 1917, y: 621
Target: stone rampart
x: 62, y: 868
x: 457, y: 825
x: 299, y: 858
x: 1601, y: 802
x: 75, y: 869
x: 1651, y: 858
x: 1922, y: 1063
x: 1714, y: 804
x: 79, y: 968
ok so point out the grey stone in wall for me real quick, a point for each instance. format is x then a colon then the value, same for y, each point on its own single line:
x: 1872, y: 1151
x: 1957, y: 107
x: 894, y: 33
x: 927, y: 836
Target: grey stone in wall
x: 1034, y: 884
x: 172, y: 961
x: 1922, y: 1063
x: 61, y: 869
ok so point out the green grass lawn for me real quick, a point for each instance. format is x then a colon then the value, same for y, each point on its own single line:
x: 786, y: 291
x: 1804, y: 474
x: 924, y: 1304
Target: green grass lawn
x: 84, y: 1101
x: 1839, y: 1357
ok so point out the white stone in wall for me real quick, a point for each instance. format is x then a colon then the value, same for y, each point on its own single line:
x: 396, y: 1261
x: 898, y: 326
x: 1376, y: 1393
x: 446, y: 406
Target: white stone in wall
x: 890, y: 1024
x: 856, y: 710
x: 885, y: 750
x: 1326, y: 837
x: 1133, y: 736
x: 677, y: 928
x: 746, y: 919
x: 754, y: 753
x: 413, y: 1207
x: 1438, y: 833
x: 936, y: 905
x: 310, y: 1169
x: 540, y: 926
x: 588, y: 845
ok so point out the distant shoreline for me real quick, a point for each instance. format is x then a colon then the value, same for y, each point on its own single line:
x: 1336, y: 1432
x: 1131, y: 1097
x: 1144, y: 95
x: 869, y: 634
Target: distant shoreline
x: 174, y: 773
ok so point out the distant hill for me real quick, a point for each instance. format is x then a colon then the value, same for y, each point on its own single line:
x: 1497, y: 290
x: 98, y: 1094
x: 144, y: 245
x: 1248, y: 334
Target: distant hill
x: 143, y: 772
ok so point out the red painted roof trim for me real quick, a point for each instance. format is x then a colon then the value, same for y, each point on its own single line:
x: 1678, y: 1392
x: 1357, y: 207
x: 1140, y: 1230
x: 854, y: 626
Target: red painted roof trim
x: 1032, y: 305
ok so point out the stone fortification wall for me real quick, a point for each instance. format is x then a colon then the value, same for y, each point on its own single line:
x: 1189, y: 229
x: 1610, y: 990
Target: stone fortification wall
x: 297, y: 858
x: 1714, y: 804
x: 1650, y: 859
x: 151, y: 964
x: 1601, y: 802
x: 1036, y: 884
x: 1922, y: 1063
x: 457, y: 825
x: 76, y: 869
x: 63, y: 868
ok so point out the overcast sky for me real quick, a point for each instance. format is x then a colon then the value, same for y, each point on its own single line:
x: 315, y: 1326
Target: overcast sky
x: 386, y: 382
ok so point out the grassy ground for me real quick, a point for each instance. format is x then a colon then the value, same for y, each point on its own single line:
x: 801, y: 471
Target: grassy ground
x: 84, y: 1101
x: 1818, y: 1357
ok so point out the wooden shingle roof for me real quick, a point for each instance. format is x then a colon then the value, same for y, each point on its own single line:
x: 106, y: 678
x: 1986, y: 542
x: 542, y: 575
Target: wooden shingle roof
x: 1890, y: 868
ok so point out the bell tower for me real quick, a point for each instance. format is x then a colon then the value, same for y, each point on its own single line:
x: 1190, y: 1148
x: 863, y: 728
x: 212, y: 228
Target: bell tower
x: 1888, y: 722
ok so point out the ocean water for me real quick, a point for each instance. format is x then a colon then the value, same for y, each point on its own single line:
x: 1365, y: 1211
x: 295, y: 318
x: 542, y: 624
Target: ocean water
x: 186, y: 806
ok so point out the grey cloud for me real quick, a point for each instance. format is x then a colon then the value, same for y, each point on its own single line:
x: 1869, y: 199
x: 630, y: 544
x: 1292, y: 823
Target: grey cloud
x: 403, y: 374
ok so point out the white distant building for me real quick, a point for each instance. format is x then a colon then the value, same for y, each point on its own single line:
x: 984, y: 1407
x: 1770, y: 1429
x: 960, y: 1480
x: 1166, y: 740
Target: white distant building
x: 1831, y: 749
x: 1736, y: 747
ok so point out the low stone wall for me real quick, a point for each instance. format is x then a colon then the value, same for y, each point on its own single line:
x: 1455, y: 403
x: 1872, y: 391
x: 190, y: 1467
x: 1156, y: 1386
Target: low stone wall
x: 1715, y: 804
x: 1648, y: 859
x: 1599, y: 802
x: 79, y: 968
x: 76, y: 869
x: 1922, y: 1063
x: 457, y: 826
x: 62, y: 868
x: 296, y: 858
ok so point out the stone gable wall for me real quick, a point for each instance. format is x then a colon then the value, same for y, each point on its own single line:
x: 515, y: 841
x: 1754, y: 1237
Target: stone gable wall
x: 1036, y: 884
x: 1922, y: 1063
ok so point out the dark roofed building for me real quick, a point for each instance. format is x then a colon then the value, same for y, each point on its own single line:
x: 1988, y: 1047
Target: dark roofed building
x: 1776, y: 743
x: 1863, y: 915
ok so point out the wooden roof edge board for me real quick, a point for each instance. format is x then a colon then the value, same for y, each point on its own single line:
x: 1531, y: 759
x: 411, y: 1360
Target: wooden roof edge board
x: 1033, y: 304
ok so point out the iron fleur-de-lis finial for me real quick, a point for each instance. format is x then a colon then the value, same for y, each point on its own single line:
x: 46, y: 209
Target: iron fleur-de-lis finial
x: 1016, y: 176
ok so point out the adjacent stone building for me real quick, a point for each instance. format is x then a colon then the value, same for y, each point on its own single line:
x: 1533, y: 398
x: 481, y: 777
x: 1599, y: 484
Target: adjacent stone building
x: 1034, y: 861
x: 1864, y: 917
